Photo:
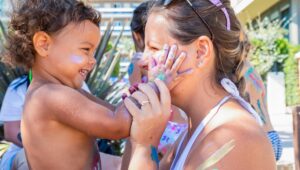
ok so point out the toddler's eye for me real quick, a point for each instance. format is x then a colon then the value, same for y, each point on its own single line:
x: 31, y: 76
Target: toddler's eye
x: 86, y: 50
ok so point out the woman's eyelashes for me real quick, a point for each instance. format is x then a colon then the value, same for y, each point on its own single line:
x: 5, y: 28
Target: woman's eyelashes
x: 154, y: 49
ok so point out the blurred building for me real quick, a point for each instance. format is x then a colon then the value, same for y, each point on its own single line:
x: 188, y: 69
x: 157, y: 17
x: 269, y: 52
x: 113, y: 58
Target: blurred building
x: 5, y: 7
x: 118, y: 10
x: 288, y: 10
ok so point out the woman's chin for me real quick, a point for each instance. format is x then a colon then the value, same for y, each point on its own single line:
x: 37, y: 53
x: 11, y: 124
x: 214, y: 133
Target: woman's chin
x: 175, y: 98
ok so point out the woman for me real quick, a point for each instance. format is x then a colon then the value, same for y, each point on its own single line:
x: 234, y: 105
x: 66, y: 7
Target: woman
x: 137, y: 72
x: 221, y: 123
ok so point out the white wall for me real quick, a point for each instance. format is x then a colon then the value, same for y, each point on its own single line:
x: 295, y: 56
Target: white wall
x: 276, y: 93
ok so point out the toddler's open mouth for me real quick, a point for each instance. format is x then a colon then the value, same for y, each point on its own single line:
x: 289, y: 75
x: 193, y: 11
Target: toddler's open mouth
x: 84, y: 72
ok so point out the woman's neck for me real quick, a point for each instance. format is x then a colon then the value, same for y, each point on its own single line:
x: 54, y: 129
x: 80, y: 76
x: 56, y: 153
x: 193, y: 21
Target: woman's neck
x: 204, y: 100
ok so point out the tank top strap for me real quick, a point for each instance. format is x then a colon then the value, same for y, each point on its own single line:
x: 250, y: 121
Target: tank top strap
x: 179, y: 160
x: 230, y: 87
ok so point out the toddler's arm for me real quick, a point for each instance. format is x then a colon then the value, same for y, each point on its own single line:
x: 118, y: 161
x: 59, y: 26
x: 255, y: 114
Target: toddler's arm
x: 70, y: 107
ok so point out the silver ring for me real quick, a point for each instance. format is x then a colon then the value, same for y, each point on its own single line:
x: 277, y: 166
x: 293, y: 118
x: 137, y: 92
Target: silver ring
x: 145, y: 102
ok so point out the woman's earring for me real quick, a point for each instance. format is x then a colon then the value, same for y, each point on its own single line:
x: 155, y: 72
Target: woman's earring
x: 200, y: 63
x: 199, y: 55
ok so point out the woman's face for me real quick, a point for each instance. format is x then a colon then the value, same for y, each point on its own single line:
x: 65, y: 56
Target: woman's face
x: 156, y: 35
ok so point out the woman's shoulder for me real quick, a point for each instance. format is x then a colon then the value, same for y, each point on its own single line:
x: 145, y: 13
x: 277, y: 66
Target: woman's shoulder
x: 233, y: 140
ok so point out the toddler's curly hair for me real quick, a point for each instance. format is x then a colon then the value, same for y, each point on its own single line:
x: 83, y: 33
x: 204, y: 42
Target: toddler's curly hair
x: 49, y: 16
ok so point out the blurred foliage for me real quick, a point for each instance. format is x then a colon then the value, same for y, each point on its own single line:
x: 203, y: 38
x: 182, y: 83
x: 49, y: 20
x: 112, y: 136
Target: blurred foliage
x: 290, y: 70
x: 272, y: 51
x: 268, y: 48
x: 116, y: 70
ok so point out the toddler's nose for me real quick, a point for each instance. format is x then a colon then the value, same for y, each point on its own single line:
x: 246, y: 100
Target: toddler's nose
x: 92, y: 61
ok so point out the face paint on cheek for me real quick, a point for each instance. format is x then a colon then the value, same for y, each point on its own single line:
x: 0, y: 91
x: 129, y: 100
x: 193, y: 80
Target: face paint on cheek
x: 76, y: 59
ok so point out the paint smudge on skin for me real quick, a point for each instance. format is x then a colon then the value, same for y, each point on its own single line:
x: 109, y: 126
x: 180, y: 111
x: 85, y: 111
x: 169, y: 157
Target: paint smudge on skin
x: 258, y: 84
x: 187, y: 71
x: 130, y: 69
x: 218, y: 155
x: 144, y: 79
x: 161, y: 76
x: 249, y: 71
x: 76, y: 59
x: 261, y: 114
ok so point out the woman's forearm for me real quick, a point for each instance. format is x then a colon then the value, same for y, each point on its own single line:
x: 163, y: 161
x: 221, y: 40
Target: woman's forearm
x: 142, y: 158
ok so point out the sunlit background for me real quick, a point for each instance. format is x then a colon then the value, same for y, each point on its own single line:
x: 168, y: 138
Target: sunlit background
x: 273, y: 27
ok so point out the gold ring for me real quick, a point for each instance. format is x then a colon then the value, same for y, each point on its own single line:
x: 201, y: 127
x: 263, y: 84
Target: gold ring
x: 144, y: 102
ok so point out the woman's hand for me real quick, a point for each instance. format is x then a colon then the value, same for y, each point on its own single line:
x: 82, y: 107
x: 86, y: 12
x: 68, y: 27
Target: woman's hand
x: 150, y: 113
x: 167, y: 66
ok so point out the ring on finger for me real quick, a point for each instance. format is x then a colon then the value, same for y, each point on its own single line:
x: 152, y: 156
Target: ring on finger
x: 145, y: 102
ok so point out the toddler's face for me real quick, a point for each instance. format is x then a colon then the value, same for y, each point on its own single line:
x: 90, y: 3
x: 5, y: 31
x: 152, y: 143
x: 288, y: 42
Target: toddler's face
x: 72, y: 53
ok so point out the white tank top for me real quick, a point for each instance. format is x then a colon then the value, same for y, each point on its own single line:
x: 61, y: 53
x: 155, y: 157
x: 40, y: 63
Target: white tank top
x: 229, y: 86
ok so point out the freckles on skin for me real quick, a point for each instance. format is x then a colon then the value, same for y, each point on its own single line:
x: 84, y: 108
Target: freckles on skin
x: 76, y: 59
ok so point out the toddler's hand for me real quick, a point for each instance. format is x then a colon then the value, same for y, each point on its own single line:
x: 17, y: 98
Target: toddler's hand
x: 167, y: 66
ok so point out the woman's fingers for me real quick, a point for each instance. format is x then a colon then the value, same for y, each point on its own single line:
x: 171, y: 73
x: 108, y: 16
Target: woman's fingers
x: 165, y: 97
x: 131, y: 107
x: 171, y: 56
x: 150, y: 93
x: 142, y: 99
x: 152, y: 63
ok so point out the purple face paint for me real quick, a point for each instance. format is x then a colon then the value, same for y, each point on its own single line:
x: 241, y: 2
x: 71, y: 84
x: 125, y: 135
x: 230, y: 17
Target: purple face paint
x: 76, y: 59
x: 144, y: 79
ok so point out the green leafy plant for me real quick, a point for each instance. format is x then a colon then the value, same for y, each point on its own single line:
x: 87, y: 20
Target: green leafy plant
x: 291, y: 77
x: 271, y: 51
x: 266, y: 38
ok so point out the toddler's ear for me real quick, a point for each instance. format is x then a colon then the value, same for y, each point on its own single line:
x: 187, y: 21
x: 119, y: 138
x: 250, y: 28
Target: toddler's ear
x: 41, y: 42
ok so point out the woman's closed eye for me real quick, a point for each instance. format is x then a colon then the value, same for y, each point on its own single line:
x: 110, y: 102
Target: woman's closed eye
x: 154, y: 49
x: 153, y: 46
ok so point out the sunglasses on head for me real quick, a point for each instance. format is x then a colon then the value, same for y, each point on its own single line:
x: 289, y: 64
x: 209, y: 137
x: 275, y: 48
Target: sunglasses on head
x: 217, y: 3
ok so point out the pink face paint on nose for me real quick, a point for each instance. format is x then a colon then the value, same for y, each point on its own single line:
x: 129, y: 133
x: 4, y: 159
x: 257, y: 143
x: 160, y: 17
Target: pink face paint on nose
x: 77, y: 59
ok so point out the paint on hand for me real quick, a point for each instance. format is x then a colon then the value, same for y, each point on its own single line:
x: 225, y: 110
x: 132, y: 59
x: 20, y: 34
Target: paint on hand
x: 144, y: 79
x: 77, y: 59
x: 130, y: 69
x: 161, y: 76
x: 154, y: 155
